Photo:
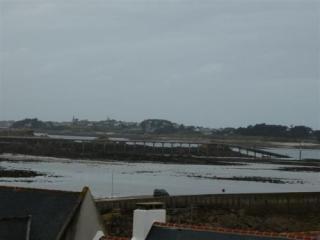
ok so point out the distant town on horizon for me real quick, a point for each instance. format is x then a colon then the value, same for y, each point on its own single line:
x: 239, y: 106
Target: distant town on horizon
x: 161, y: 126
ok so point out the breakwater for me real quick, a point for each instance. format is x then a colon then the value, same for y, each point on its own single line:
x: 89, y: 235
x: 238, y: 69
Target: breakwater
x: 189, y: 152
x: 111, y: 149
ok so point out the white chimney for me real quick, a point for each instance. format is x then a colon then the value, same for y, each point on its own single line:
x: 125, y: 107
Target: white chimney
x: 98, y: 235
x: 143, y: 221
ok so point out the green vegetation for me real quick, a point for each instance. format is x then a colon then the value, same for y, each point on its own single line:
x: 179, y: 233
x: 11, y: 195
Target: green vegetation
x: 165, y: 127
x: 276, y: 131
x: 150, y: 126
x: 317, y: 135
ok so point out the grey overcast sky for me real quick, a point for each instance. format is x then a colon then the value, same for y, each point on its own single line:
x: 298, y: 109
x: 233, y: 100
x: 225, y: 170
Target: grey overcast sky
x: 201, y: 62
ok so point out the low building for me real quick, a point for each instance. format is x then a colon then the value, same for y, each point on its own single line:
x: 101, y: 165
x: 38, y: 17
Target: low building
x: 38, y: 214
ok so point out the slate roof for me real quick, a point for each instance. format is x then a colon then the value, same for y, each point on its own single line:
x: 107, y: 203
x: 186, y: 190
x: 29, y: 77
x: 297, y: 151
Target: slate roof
x: 159, y: 233
x: 51, y: 211
x: 17, y: 228
x: 170, y: 231
x: 165, y: 231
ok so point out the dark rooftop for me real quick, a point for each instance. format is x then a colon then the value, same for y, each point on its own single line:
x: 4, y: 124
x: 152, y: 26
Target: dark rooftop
x: 160, y: 231
x: 50, y: 210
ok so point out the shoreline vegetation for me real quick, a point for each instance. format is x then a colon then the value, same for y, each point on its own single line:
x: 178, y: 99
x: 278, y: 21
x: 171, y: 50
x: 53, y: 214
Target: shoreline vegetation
x: 13, y: 173
x: 158, y: 128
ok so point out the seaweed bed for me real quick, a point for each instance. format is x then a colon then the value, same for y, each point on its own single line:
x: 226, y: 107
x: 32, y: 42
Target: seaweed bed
x: 299, y: 169
x: 8, y: 173
x: 249, y: 179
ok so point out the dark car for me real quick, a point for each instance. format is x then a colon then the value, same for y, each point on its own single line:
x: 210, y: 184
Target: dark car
x: 160, y: 193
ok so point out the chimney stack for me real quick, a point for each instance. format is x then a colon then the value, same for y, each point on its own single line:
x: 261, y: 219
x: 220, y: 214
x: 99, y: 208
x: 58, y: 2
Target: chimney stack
x: 143, y: 221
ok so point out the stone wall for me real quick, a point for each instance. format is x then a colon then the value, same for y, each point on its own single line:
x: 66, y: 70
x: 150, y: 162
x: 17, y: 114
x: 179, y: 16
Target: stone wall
x: 275, y: 212
x: 288, y: 201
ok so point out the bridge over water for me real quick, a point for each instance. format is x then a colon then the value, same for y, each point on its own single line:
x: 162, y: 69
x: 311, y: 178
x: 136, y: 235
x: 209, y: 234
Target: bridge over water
x: 243, y: 150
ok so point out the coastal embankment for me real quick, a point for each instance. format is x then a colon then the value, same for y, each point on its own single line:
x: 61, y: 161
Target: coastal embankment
x: 134, y: 150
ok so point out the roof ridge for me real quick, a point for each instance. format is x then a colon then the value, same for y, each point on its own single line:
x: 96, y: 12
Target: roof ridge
x: 82, y: 195
x: 299, y: 236
x: 303, y: 232
x: 16, y: 188
x: 114, y: 238
x: 312, y: 235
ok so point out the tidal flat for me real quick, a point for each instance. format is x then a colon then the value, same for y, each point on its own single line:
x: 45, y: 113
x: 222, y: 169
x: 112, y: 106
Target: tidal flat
x: 115, y: 178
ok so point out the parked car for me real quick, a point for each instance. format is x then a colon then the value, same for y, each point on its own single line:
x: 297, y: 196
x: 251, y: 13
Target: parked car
x: 160, y: 193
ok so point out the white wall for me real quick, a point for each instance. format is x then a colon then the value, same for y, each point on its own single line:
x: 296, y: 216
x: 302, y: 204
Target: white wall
x: 87, y: 222
x: 143, y: 221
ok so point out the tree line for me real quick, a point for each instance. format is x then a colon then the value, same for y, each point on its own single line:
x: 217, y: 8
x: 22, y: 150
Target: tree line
x: 277, y: 131
x: 159, y: 126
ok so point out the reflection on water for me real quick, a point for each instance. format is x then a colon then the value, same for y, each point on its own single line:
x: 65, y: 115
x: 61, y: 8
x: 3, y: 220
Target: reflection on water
x: 67, y: 137
x: 143, y: 178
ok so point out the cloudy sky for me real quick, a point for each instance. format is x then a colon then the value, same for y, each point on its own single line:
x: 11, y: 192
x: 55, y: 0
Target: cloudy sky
x: 205, y: 62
